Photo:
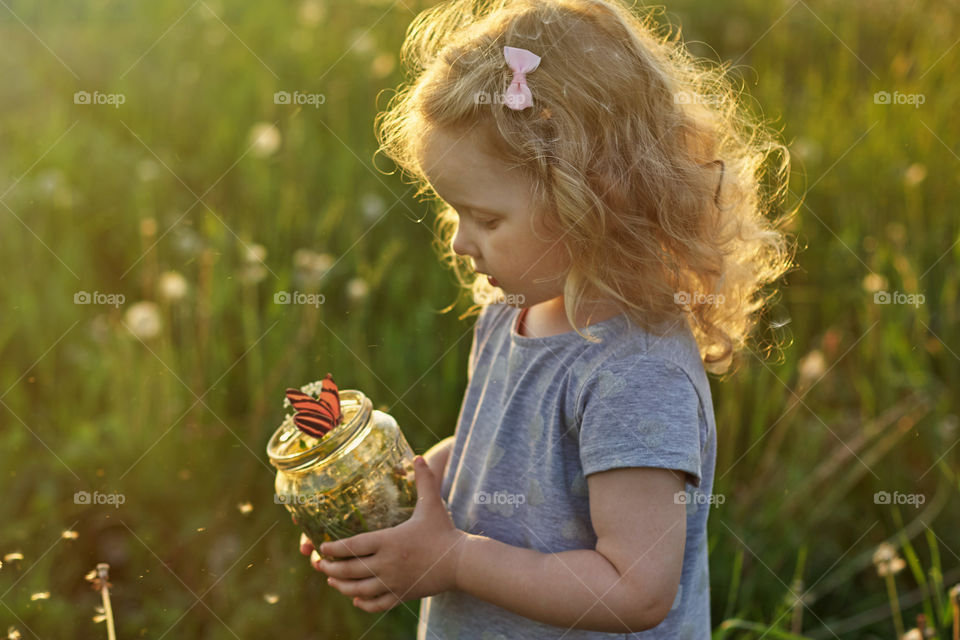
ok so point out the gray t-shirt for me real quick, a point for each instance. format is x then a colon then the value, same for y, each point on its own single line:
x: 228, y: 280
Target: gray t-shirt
x: 541, y: 414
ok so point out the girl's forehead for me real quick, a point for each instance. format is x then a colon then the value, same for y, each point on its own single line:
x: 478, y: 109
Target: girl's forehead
x: 464, y: 171
x: 446, y: 151
x: 459, y: 160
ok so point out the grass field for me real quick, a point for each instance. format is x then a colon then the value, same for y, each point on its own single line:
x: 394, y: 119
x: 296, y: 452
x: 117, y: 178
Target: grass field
x: 155, y: 199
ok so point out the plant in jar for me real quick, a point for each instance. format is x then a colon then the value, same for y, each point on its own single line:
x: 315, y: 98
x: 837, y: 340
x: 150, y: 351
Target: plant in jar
x: 342, y: 467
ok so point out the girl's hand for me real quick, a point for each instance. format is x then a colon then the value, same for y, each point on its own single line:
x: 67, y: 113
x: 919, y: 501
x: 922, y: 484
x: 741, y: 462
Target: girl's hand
x: 415, y: 559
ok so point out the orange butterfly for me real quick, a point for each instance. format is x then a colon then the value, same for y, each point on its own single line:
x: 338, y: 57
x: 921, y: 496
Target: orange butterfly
x: 316, y: 416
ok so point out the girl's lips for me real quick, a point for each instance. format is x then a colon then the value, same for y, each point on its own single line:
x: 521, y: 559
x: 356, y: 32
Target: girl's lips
x: 492, y: 281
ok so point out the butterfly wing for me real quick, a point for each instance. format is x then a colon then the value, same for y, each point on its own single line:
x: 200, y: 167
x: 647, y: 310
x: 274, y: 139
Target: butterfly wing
x: 304, y: 402
x: 313, y: 423
x: 330, y: 396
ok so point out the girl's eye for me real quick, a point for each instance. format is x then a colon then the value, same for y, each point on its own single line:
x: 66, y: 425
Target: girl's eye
x: 488, y: 224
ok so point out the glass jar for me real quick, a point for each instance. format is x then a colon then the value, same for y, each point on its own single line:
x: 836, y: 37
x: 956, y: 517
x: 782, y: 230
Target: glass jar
x: 359, y: 477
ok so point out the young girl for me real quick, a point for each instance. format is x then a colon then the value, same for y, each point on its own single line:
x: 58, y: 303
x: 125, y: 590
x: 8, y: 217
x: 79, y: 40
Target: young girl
x: 602, y: 189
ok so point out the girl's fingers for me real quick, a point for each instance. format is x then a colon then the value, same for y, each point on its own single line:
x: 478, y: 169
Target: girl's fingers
x: 375, y: 605
x: 354, y: 569
x: 315, y: 560
x: 362, y: 544
x: 305, y: 545
x: 365, y: 589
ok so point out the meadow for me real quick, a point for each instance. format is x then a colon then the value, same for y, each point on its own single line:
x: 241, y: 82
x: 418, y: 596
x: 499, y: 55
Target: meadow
x: 157, y: 197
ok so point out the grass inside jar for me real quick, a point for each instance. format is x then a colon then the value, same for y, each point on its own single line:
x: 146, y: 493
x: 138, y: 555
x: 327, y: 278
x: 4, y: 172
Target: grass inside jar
x: 336, y: 504
x: 385, y: 497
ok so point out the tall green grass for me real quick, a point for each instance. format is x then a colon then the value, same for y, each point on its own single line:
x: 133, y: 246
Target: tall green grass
x: 856, y: 399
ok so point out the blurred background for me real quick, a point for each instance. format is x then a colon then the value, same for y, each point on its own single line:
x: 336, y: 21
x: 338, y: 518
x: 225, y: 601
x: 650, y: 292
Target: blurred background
x: 159, y: 194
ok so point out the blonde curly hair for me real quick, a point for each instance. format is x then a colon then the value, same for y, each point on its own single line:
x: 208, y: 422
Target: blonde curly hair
x: 642, y: 155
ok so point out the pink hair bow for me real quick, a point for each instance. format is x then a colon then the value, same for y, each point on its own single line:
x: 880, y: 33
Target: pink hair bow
x: 521, y: 62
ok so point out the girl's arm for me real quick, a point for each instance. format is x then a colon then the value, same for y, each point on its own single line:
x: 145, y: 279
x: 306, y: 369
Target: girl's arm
x: 627, y: 584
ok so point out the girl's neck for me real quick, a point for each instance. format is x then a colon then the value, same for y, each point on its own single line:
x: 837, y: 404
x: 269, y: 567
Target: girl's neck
x: 548, y: 318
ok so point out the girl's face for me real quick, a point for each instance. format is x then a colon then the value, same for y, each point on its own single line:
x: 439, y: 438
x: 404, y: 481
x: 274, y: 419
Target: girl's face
x: 497, y: 227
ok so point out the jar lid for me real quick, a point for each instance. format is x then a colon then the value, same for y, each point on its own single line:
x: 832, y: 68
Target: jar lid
x: 290, y: 447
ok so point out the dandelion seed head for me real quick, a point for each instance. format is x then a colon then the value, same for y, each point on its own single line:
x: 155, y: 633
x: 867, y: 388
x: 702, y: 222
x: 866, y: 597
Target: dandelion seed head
x: 885, y: 552
x: 172, y: 286
x: 143, y: 320
x: 264, y: 139
x: 311, y: 13
x: 887, y: 561
x: 812, y: 367
x: 252, y: 273
x: 363, y: 43
x: 372, y: 205
x: 357, y: 289
x: 310, y: 267
x: 186, y: 241
x: 896, y: 566
x: 255, y: 253
x: 808, y: 150
x: 874, y: 282
x: 915, y: 174
x: 383, y: 64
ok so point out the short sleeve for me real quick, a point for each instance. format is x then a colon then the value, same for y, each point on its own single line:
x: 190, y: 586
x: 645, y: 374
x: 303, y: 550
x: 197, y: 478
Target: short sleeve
x: 639, y: 412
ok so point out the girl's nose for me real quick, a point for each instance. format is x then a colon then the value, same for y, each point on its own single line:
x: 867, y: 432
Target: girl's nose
x: 462, y: 245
